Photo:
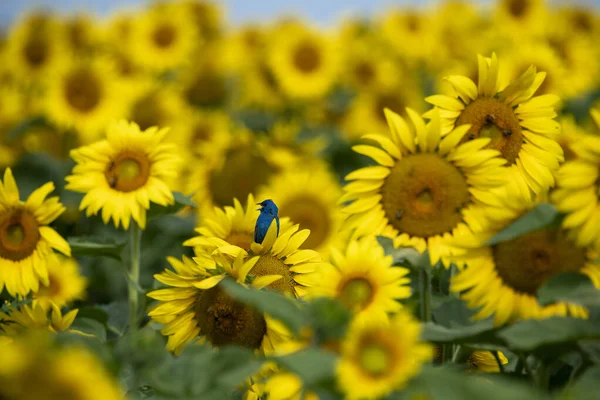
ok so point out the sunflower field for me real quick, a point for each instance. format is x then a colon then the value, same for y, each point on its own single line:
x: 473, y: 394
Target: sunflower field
x: 399, y: 206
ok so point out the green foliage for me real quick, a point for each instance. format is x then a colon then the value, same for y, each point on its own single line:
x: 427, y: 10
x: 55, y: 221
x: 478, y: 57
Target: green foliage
x: 538, y: 218
x: 570, y: 288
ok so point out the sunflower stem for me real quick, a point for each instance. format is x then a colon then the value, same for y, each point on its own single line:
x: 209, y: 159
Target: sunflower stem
x: 135, y: 236
x: 497, y: 357
x: 425, y: 286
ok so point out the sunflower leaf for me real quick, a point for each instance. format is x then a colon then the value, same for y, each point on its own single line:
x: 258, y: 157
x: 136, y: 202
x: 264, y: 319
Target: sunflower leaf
x: 540, y: 217
x: 569, y: 287
x: 89, y: 327
x: 480, y: 332
x: 311, y: 365
x: 181, y: 201
x: 96, y: 247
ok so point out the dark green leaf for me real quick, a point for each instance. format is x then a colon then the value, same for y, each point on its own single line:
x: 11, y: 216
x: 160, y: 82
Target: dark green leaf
x: 328, y: 318
x: 585, y: 388
x: 117, y: 316
x: 453, y: 313
x: 181, y: 201
x: 311, y: 365
x: 95, y: 313
x: 538, y: 218
x: 569, y: 287
x: 96, y: 247
x: 90, y: 327
x: 479, y: 332
x: 277, y: 306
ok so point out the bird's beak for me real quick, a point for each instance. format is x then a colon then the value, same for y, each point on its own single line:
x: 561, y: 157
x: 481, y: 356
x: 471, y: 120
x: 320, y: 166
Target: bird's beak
x: 261, y: 207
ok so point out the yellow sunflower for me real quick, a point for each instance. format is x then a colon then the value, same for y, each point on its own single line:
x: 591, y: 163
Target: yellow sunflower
x: 286, y: 386
x: 200, y: 132
x: 425, y: 187
x: 33, y: 370
x: 205, y: 84
x: 380, y: 357
x: 123, y: 173
x: 570, y: 133
x: 156, y: 106
x: 484, y: 361
x: 259, y: 87
x: 244, y: 46
x: 408, y: 32
x: 304, y: 61
x: 207, y: 15
x: 195, y: 305
x: 525, y: 18
x: 362, y: 277
x: 163, y: 37
x: 66, y: 284
x: 35, y: 316
x: 26, y: 240
x: 286, y: 148
x: 577, y: 192
x: 81, y: 32
x: 368, y: 68
x: 309, y: 198
x: 503, y: 280
x: 84, y: 95
x: 520, y: 126
x: 35, y: 46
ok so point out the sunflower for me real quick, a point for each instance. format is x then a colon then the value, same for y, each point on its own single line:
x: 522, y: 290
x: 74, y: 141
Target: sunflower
x: 503, y: 279
x: 287, y: 147
x: 26, y: 242
x: 309, y: 198
x: 84, y: 95
x: 485, y: 361
x: 35, y: 316
x: 205, y: 85
x: 286, y: 386
x: 425, y: 188
x: 521, y: 17
x: 380, y: 357
x: 156, y: 106
x: 201, y: 132
x: 163, y: 37
x: 35, y: 47
x: 408, y: 32
x: 244, y: 47
x: 123, y: 173
x: 196, y: 306
x: 259, y: 87
x: 520, y: 126
x: 33, y: 370
x: 368, y: 68
x: 570, y: 133
x: 81, y: 33
x: 577, y: 192
x: 362, y: 277
x: 66, y: 284
x: 207, y: 16
x: 304, y: 61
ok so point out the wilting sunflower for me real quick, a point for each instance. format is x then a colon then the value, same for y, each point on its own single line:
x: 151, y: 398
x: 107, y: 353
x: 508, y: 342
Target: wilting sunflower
x: 425, y: 187
x: 66, y: 284
x: 304, y: 61
x: 577, y: 193
x: 123, y: 173
x: 84, y: 95
x: 362, y: 277
x: 33, y: 370
x: 35, y: 46
x: 381, y: 356
x: 26, y: 242
x: 196, y: 306
x: 517, y: 124
x: 309, y: 198
x: 163, y: 37
x: 502, y: 280
x: 36, y: 316
x: 485, y: 361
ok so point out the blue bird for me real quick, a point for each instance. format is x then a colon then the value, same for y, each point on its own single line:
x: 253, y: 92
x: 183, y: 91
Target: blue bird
x: 268, y: 213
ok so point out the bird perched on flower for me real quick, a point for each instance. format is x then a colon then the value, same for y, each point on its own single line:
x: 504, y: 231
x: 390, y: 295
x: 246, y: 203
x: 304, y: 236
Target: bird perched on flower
x: 268, y: 213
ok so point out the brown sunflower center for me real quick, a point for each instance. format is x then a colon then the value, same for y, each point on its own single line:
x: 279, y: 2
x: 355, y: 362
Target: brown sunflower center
x: 375, y: 358
x: 83, y: 90
x: 207, y: 89
x: 310, y: 214
x: 202, y: 132
x: 489, y: 117
x: 518, y: 8
x: 36, y: 51
x: 164, y: 35
x: 527, y: 262
x: 391, y: 101
x: 241, y: 174
x: 129, y: 171
x: 241, y: 239
x: 356, y: 293
x: 269, y: 265
x: 53, y: 289
x: 307, y: 57
x: 148, y: 112
x: 19, y: 234
x: 224, y: 320
x: 583, y: 21
x: 364, y: 73
x: 424, y: 195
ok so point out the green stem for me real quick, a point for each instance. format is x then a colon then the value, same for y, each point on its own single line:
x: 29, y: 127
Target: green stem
x: 497, y: 357
x: 425, y: 286
x: 135, y: 236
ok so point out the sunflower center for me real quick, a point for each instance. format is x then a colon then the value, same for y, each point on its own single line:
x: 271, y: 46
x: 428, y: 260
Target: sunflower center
x: 393, y: 102
x: 307, y: 57
x: 527, y: 262
x: 83, y: 90
x: 375, y: 359
x: 148, y: 112
x: 129, y: 171
x: 53, y: 289
x: 364, y: 73
x: 269, y: 265
x: 240, y: 239
x: 164, y: 35
x: 489, y: 117
x: 424, y: 195
x: 310, y: 214
x: 207, y: 89
x: 518, y: 8
x: 36, y: 51
x: 242, y: 173
x: 202, y: 133
x: 224, y: 320
x: 19, y: 234
x: 356, y: 293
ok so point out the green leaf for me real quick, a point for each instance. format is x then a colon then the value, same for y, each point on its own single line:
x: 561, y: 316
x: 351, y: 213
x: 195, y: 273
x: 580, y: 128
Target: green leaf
x: 117, y: 316
x: 482, y: 331
x: 90, y: 327
x: 276, y: 305
x: 570, y: 287
x: 407, y: 256
x: 533, y: 334
x: 312, y: 365
x: 538, y: 218
x: 96, y: 247
x: 328, y: 318
x: 181, y: 201
x: 453, y: 313
x: 585, y: 388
